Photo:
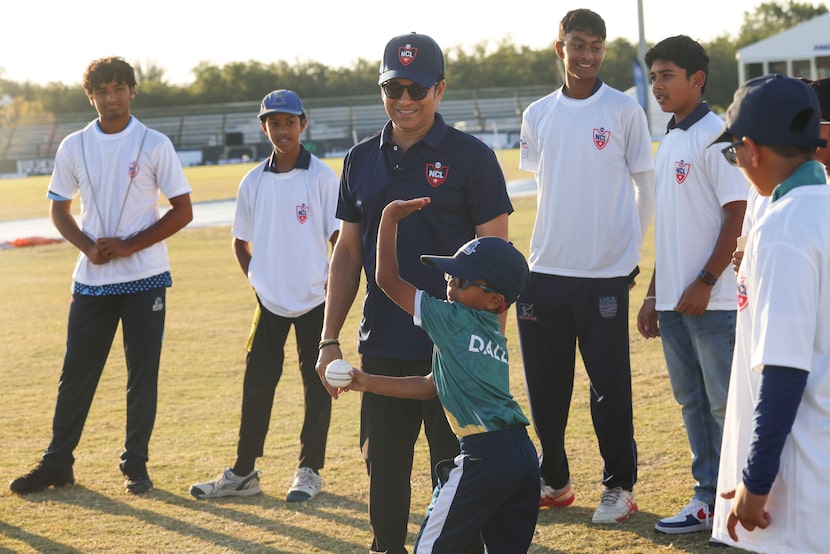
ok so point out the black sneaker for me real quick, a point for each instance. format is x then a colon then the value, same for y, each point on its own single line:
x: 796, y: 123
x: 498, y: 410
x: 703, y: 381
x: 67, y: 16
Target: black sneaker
x: 41, y: 478
x: 136, y: 479
x: 138, y: 483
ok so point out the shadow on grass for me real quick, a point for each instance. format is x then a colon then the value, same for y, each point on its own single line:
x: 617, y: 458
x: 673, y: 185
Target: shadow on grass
x: 220, y: 508
x: 327, y: 506
x: 37, y: 542
x: 640, y: 525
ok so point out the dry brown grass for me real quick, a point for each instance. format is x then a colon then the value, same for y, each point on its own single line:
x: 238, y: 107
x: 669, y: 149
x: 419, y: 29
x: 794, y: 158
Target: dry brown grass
x: 210, y: 306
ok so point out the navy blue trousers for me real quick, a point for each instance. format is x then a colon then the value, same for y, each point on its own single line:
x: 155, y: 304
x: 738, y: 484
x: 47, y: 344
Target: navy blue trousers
x: 554, y: 315
x: 389, y: 428
x: 262, y: 374
x: 93, y: 321
x: 489, y: 491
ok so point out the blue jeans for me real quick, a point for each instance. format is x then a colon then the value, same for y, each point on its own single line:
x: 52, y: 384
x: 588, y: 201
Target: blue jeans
x: 698, y: 351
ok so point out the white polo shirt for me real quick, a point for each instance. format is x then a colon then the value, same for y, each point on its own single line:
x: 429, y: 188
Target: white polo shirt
x: 289, y: 219
x: 693, y: 181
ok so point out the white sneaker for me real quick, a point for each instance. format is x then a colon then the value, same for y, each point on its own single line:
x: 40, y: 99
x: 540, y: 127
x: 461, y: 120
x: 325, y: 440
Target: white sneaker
x: 616, y: 506
x: 307, y: 483
x: 228, y: 483
x: 696, y: 516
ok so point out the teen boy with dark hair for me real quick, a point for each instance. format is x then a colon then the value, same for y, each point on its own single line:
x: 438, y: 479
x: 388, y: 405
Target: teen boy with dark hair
x: 118, y: 166
x: 590, y: 149
x: 699, y: 207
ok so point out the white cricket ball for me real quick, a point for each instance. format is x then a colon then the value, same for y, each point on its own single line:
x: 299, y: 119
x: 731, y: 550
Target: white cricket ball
x: 337, y: 373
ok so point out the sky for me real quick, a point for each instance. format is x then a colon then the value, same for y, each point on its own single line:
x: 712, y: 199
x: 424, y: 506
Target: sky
x: 54, y: 40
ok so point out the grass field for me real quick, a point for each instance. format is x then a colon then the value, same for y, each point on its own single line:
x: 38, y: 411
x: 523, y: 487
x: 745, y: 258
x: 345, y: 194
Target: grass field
x: 210, y: 306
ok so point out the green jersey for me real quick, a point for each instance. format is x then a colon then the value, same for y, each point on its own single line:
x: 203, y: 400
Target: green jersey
x: 469, y: 365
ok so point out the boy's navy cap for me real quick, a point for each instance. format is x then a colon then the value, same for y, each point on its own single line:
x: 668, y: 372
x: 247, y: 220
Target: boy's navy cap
x: 491, y: 259
x: 414, y: 57
x: 774, y: 110
x: 281, y: 101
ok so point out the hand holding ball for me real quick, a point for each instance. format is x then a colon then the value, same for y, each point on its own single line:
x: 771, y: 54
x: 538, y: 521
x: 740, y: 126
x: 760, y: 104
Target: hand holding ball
x: 337, y: 373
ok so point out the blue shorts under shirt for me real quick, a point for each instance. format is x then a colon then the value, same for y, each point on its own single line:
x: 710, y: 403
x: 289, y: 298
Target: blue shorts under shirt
x: 130, y: 287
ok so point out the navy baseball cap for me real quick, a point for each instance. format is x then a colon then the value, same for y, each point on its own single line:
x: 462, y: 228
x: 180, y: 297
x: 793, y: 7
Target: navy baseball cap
x: 414, y: 57
x: 491, y: 259
x: 775, y: 110
x: 281, y: 101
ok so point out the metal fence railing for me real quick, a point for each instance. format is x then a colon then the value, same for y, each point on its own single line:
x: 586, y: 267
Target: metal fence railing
x: 334, y: 124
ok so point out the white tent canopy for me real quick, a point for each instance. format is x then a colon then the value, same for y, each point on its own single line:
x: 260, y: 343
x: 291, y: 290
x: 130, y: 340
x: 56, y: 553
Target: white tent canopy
x: 801, y: 51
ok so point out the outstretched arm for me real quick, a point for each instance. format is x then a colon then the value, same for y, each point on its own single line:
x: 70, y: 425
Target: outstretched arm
x: 413, y: 387
x: 387, y: 273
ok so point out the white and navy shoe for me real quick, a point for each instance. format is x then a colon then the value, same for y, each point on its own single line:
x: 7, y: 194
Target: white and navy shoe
x: 696, y: 516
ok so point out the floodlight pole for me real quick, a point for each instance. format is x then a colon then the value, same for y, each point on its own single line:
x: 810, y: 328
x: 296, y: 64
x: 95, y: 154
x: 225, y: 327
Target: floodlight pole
x: 641, y: 54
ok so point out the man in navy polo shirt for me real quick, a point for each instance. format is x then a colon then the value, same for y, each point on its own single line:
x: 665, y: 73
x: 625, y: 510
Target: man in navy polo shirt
x: 415, y: 154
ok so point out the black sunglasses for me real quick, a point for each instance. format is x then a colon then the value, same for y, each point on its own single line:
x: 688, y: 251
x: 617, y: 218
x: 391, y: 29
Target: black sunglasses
x: 460, y: 283
x: 394, y: 90
x: 731, y: 152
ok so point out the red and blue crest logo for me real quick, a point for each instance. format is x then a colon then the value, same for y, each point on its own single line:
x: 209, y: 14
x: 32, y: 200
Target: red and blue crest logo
x: 407, y: 54
x: 302, y: 213
x: 133, y: 169
x: 437, y: 174
x: 681, y: 171
x: 601, y: 138
x: 743, y: 301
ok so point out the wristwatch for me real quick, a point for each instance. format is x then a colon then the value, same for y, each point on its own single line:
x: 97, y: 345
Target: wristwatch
x: 707, y: 277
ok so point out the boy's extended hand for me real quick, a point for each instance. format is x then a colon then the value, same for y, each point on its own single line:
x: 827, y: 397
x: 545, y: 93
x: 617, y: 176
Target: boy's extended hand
x: 399, y: 209
x: 360, y: 381
x: 747, y: 509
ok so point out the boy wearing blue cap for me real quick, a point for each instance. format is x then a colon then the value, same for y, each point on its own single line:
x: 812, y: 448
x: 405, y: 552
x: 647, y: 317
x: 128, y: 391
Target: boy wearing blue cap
x: 491, y: 489
x: 775, y: 457
x: 285, y: 206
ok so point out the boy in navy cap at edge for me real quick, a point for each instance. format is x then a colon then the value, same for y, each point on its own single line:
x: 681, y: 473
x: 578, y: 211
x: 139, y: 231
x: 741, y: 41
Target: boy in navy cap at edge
x: 775, y: 458
x: 491, y: 489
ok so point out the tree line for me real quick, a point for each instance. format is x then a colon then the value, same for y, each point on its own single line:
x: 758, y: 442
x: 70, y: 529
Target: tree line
x: 482, y: 66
